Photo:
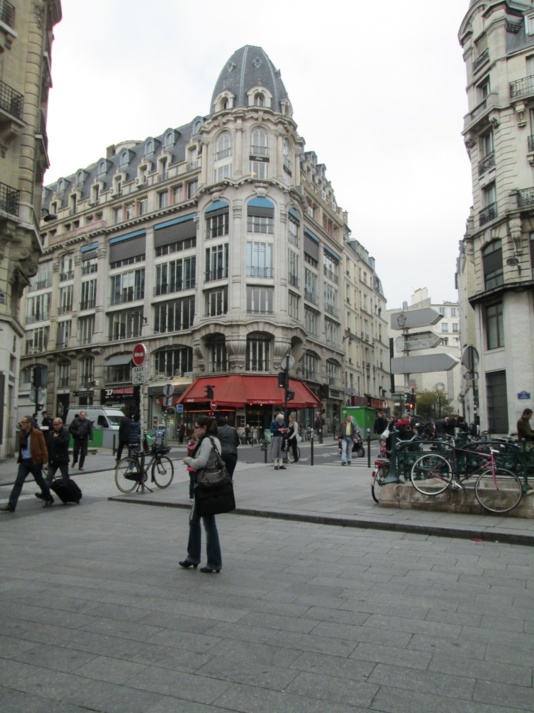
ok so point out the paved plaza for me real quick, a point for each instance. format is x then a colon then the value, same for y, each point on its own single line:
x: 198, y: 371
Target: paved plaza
x: 326, y: 603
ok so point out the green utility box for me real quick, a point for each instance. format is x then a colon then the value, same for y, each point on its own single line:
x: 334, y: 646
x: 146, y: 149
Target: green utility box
x: 363, y: 416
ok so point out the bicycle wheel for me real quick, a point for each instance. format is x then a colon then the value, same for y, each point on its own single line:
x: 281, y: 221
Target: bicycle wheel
x: 499, y: 493
x: 378, y: 479
x: 431, y: 474
x: 162, y: 471
x: 127, y: 475
x: 291, y: 458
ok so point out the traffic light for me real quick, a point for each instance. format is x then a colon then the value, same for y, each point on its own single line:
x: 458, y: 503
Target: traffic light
x: 283, y: 380
x: 290, y: 395
x: 209, y: 392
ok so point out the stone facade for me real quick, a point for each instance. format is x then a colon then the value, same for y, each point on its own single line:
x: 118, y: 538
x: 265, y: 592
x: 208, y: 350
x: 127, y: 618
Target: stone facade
x: 220, y: 244
x: 496, y: 261
x: 25, y: 65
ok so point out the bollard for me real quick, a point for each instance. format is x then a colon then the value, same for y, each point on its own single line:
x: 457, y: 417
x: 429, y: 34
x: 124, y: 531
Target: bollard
x: 320, y: 435
x: 311, y: 447
x: 368, y: 447
x: 392, y: 476
x: 114, y: 451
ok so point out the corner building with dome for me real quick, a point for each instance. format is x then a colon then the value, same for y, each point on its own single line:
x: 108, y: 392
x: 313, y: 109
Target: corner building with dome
x: 221, y: 247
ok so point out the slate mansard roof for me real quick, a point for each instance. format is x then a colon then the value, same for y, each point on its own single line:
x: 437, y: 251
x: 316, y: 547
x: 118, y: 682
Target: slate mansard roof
x: 247, y: 68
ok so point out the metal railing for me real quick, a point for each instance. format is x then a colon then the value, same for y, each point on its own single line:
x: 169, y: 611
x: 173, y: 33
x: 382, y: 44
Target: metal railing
x: 7, y: 13
x: 253, y: 271
x: 487, y: 214
x: 486, y: 163
x: 11, y: 100
x: 525, y: 197
x: 9, y: 199
x: 63, y: 276
x: 521, y: 87
x: 482, y: 57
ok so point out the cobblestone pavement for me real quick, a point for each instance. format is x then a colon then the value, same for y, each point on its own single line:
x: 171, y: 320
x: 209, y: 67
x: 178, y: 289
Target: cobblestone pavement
x: 97, y: 615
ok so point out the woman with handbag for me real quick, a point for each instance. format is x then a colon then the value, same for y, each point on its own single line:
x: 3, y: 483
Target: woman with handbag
x: 205, y: 432
x: 293, y: 437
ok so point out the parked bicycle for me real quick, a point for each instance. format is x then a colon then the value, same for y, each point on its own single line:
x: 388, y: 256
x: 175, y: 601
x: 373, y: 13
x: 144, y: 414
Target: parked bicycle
x: 497, y: 489
x: 132, y: 472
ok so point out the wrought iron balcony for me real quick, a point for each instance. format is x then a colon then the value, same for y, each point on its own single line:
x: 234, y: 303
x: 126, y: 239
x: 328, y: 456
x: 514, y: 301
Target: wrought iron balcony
x: 479, y: 61
x: 7, y: 13
x: 486, y: 163
x: 11, y: 101
x: 530, y: 140
x: 522, y: 87
x: 525, y: 197
x: 487, y: 214
x: 9, y: 199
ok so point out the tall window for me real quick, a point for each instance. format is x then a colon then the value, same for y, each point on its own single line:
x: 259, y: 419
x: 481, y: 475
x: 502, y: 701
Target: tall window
x: 218, y: 357
x: 216, y: 262
x: 293, y: 268
x: 492, y: 265
x: 64, y: 375
x: 173, y: 361
x: 310, y: 286
x: 64, y: 330
x: 87, y: 370
x: 494, y: 326
x: 86, y: 328
x: 487, y: 149
x: 257, y: 357
x: 216, y: 302
x: 217, y: 225
x: 88, y: 296
x: 36, y: 340
x: 311, y: 322
x: 43, y: 278
x: 66, y: 268
x: 310, y: 366
x: 489, y: 201
x: 65, y: 299
x: 174, y: 316
x: 124, y: 325
x: 333, y: 372
x: 331, y: 332
x: 175, y: 276
x: 38, y: 308
x: 330, y: 268
x: 89, y: 266
x: 127, y: 287
x: 259, y: 259
x: 259, y: 154
x: 259, y: 300
x: 330, y: 299
x: 496, y: 397
x: 293, y: 305
x: 223, y: 157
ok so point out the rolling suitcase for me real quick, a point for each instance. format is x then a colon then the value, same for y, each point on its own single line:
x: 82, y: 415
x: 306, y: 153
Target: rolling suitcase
x: 67, y: 492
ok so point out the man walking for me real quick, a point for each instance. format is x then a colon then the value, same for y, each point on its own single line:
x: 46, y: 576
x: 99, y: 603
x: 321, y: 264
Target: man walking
x: 32, y: 457
x: 81, y: 430
x: 124, y: 434
x: 229, y: 438
x: 524, y: 430
x: 58, y: 455
x: 346, y: 434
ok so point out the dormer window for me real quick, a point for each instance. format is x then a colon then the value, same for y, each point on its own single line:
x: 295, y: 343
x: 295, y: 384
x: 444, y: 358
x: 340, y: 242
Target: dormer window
x: 62, y: 185
x: 149, y: 147
x: 102, y: 168
x: 124, y: 158
x: 259, y: 99
x: 260, y: 96
x: 169, y: 139
x: 225, y: 100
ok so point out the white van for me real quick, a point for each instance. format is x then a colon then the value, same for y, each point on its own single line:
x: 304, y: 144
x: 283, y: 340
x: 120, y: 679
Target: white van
x: 106, y: 420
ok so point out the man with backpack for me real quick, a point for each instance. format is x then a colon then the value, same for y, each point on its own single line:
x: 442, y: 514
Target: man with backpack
x: 81, y: 430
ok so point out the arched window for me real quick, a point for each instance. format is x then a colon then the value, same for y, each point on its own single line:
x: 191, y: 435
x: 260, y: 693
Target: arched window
x: 169, y: 139
x: 223, y: 157
x: 333, y: 373
x: 259, y: 99
x: 173, y: 361
x: 218, y: 356
x: 149, y: 147
x: 124, y: 158
x: 258, y: 352
x: 310, y: 366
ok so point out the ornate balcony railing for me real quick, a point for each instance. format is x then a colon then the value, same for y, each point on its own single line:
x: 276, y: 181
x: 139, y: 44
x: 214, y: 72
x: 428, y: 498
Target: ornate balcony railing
x: 7, y: 13
x: 521, y: 87
x: 487, y: 214
x: 11, y: 100
x: 525, y: 197
x: 483, y: 57
x: 486, y: 163
x: 9, y: 199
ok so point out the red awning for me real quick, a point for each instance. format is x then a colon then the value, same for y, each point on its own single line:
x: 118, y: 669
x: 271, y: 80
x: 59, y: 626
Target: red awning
x: 241, y: 391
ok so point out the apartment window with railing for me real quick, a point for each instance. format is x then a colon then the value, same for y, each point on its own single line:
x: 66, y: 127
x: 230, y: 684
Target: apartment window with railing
x: 66, y: 268
x: 178, y: 246
x: 88, y: 294
x: 293, y: 268
x: 489, y: 201
x: 260, y: 299
x: 259, y: 154
x: 492, y: 265
x: 311, y: 292
x: 118, y: 373
x: 86, y: 328
x: 64, y: 375
x: 260, y: 224
x: 64, y: 330
x: 311, y: 322
x: 125, y: 324
x: 175, y: 276
x: 293, y: 305
x: 333, y: 373
x: 494, y: 326
x: 65, y: 299
x: 127, y: 287
x: 222, y: 166
x: 259, y: 259
x: 43, y: 278
x: 258, y: 353
x: 218, y: 356
x: 331, y: 330
x: 311, y: 366
x: 90, y: 266
x: 487, y: 149
x: 216, y: 302
x: 217, y: 225
x: 87, y: 371
x: 173, y: 361
x: 216, y: 262
x: 174, y: 316
x: 293, y: 231
x: 330, y: 268
x: 38, y: 308
x: 36, y: 340
x: 331, y: 299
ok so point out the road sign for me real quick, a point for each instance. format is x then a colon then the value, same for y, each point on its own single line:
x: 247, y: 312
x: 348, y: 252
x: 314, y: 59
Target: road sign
x: 139, y: 375
x: 139, y: 354
x: 36, y: 395
x: 411, y: 319
x: 168, y: 389
x: 167, y: 401
x: 470, y: 358
x: 417, y: 340
x: 213, y: 406
x: 179, y: 408
x: 422, y: 364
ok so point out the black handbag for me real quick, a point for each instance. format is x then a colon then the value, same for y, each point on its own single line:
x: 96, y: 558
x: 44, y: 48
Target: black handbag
x: 213, y: 477
x: 214, y: 501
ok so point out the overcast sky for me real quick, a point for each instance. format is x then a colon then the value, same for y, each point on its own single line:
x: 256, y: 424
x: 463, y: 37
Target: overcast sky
x: 377, y: 88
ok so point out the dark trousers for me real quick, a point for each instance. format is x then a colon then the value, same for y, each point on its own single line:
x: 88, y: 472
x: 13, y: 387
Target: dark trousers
x: 121, y: 448
x: 79, y: 450
x: 25, y: 468
x: 230, y: 460
x: 63, y: 469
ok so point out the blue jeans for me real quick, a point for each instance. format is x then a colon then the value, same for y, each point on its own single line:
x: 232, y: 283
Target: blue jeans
x: 213, y: 546
x: 25, y: 468
x: 346, y: 449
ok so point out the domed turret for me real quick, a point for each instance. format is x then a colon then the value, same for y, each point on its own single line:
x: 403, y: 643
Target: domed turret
x: 244, y: 76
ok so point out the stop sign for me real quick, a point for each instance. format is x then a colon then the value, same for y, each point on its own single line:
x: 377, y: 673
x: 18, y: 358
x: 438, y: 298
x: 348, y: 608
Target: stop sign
x: 213, y: 406
x: 139, y: 354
